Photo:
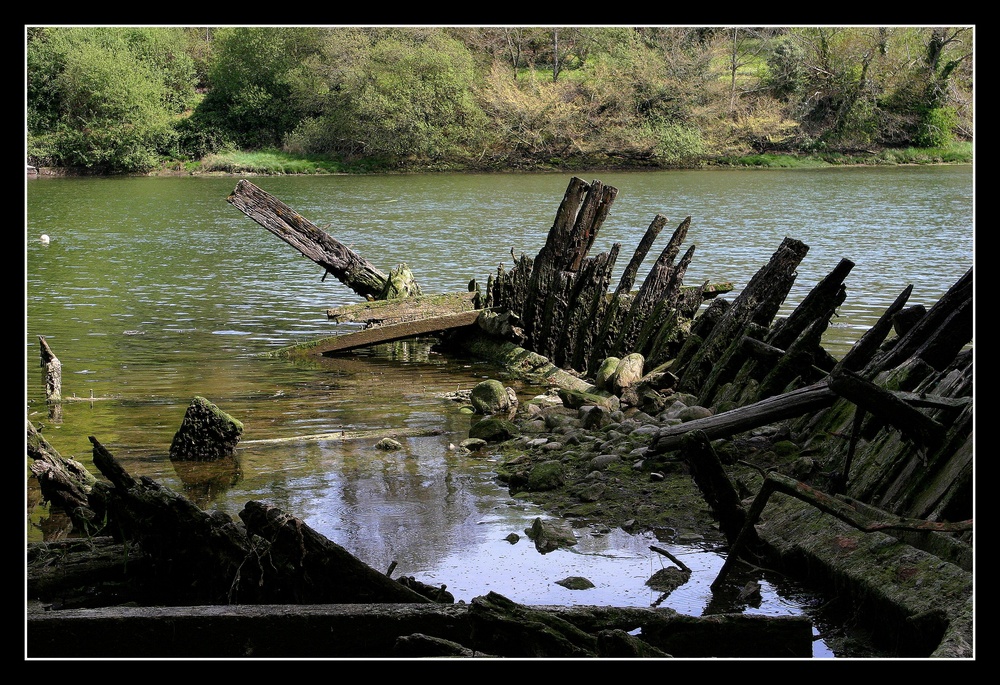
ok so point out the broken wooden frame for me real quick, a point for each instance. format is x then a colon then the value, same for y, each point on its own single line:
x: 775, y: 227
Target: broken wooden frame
x: 855, y: 513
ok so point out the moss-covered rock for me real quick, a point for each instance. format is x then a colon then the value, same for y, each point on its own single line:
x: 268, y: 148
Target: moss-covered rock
x: 494, y: 429
x: 491, y: 397
x: 547, y: 475
x: 206, y: 434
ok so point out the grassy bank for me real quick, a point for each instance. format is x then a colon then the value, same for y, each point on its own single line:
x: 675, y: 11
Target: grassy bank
x: 276, y: 162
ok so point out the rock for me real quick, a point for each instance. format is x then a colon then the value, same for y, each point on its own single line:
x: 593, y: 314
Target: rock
x: 576, y: 583
x: 388, y: 444
x: 600, y: 462
x: 693, y: 413
x: 206, y: 434
x: 668, y: 579
x: 605, y: 371
x: 547, y: 475
x: 491, y: 397
x: 550, y: 535
x: 627, y: 373
x: 494, y: 429
x: 592, y: 492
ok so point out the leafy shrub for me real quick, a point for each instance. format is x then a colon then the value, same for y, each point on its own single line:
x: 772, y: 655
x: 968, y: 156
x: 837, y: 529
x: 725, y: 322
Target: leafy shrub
x: 937, y: 127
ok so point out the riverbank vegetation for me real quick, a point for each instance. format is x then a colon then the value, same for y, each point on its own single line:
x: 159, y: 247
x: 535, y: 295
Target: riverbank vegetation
x: 267, y: 100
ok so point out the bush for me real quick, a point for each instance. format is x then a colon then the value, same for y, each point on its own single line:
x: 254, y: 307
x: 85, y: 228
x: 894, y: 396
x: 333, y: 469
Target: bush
x: 937, y: 127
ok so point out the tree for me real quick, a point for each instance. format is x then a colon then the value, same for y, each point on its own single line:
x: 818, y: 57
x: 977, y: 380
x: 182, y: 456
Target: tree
x: 251, y: 82
x: 391, y: 93
x: 105, y: 98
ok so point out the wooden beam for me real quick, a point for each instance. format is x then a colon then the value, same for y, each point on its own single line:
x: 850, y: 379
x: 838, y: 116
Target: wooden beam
x: 382, y: 334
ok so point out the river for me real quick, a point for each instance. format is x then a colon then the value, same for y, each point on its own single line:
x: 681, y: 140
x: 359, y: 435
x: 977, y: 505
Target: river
x: 152, y: 291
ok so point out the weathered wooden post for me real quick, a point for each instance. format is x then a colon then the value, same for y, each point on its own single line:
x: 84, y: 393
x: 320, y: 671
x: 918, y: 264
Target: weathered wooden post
x: 53, y: 373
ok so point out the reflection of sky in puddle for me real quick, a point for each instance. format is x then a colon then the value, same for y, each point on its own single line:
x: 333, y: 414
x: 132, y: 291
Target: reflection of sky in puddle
x: 616, y: 562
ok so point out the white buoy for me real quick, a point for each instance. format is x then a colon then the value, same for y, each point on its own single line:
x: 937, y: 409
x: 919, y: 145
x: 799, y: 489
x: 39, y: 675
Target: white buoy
x: 44, y: 239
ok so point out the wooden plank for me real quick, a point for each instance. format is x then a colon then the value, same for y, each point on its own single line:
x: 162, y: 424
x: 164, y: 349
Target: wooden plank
x: 383, y: 334
x: 385, y: 312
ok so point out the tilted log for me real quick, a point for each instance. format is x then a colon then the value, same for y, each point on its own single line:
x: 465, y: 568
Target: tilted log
x: 304, y: 567
x: 718, y: 490
x: 590, y: 299
x: 867, y: 346
x: 778, y: 408
x: 64, y: 482
x: 615, y: 323
x: 642, y: 249
x: 911, y: 422
x: 657, y: 309
x: 797, y: 363
x: 661, y: 285
x: 349, y: 267
x: 583, y: 210
x: 819, y: 305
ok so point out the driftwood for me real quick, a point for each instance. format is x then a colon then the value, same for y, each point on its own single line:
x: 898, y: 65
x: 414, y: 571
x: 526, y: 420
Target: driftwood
x: 64, y: 482
x: 561, y: 298
x: 408, y: 631
x: 345, y: 435
x: 710, y: 476
x: 385, y: 312
x: 349, y: 267
x: 708, y: 363
x: 789, y: 405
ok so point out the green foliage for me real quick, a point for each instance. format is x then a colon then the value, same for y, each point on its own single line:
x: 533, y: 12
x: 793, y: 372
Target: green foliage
x: 124, y: 99
x: 771, y: 161
x: 786, y: 68
x: 677, y: 143
x: 104, y: 98
x: 936, y: 127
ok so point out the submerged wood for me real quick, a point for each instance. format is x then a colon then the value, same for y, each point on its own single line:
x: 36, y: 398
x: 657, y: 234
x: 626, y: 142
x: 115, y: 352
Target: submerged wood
x: 346, y: 435
x: 382, y: 334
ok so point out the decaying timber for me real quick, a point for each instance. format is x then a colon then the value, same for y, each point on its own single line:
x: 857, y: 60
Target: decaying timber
x: 561, y: 295
x: 208, y: 558
x: 349, y: 267
x: 401, y: 310
x: 383, y: 334
x: 488, y: 627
